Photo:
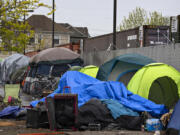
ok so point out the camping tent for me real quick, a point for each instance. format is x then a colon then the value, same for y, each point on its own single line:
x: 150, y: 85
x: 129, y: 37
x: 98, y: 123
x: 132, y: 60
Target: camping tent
x: 47, y: 65
x: 75, y: 68
x: 122, y: 68
x: 158, y: 82
x: 90, y: 70
x: 54, y: 60
x: 13, y: 68
x: 55, y: 56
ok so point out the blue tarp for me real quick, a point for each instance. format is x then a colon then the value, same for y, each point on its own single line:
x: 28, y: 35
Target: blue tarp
x: 11, y: 112
x: 88, y: 87
x: 175, y: 118
x: 118, y: 109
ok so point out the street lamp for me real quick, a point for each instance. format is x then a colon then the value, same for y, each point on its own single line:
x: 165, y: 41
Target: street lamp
x: 53, y: 25
x: 24, y: 20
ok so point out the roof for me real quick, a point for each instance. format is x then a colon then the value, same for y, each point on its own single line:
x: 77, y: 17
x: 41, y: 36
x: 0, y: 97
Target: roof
x: 76, y: 31
x: 43, y: 23
x: 54, y: 55
x: 83, y: 30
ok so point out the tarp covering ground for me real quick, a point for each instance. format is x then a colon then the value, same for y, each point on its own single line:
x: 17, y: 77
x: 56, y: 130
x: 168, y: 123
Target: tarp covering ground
x: 12, y: 112
x: 88, y: 87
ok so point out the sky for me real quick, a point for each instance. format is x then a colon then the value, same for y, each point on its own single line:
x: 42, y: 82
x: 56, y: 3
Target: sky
x: 97, y: 15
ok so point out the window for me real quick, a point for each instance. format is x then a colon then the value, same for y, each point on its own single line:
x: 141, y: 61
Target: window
x: 39, y: 38
x: 56, y: 39
x: 64, y: 39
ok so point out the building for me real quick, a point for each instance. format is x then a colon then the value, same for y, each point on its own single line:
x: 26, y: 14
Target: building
x: 76, y: 33
x: 142, y: 36
x: 42, y: 26
x: 65, y: 35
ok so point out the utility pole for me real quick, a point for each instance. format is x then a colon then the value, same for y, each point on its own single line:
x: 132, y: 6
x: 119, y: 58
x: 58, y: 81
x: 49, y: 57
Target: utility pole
x: 53, y: 26
x: 24, y: 21
x: 114, y: 24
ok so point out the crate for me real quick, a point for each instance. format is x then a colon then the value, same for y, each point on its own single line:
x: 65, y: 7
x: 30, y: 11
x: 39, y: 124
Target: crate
x: 62, y: 111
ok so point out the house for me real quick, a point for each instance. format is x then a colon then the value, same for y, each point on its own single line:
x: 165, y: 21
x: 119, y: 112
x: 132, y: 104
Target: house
x: 146, y: 35
x: 76, y: 33
x: 42, y: 25
x: 65, y: 35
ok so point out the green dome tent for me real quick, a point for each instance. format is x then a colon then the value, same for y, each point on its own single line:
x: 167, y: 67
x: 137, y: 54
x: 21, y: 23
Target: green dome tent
x: 123, y: 67
x: 75, y: 68
x: 90, y: 70
x: 157, y: 82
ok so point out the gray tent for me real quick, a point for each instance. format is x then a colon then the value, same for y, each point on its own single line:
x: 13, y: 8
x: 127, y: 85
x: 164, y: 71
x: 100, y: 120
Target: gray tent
x: 11, y: 68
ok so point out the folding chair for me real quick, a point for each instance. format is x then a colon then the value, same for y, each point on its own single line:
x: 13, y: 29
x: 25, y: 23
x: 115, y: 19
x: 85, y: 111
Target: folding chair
x: 11, y: 90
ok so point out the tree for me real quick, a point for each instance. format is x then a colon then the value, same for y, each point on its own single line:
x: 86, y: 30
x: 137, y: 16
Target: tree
x: 15, y: 32
x: 139, y: 17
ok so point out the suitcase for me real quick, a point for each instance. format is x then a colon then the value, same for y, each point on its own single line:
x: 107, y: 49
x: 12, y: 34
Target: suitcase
x: 62, y: 110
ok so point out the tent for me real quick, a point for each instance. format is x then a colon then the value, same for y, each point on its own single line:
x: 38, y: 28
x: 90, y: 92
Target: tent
x: 54, y: 61
x: 174, y: 122
x: 75, y: 68
x: 122, y: 68
x: 90, y: 70
x: 59, y: 55
x: 158, y: 82
x: 47, y: 66
x: 13, y: 68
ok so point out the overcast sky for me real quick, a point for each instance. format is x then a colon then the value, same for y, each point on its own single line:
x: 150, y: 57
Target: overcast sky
x: 97, y: 15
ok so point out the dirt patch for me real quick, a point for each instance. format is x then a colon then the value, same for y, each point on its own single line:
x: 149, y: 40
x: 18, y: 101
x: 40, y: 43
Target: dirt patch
x: 19, y: 127
x: 4, y: 124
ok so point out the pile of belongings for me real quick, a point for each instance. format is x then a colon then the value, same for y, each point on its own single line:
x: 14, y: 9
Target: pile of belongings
x: 105, y: 105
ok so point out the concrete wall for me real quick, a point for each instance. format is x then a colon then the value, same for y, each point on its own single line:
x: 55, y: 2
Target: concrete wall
x: 169, y: 54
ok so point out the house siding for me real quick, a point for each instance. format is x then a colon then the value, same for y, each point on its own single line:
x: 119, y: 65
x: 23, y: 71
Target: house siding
x: 46, y: 39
